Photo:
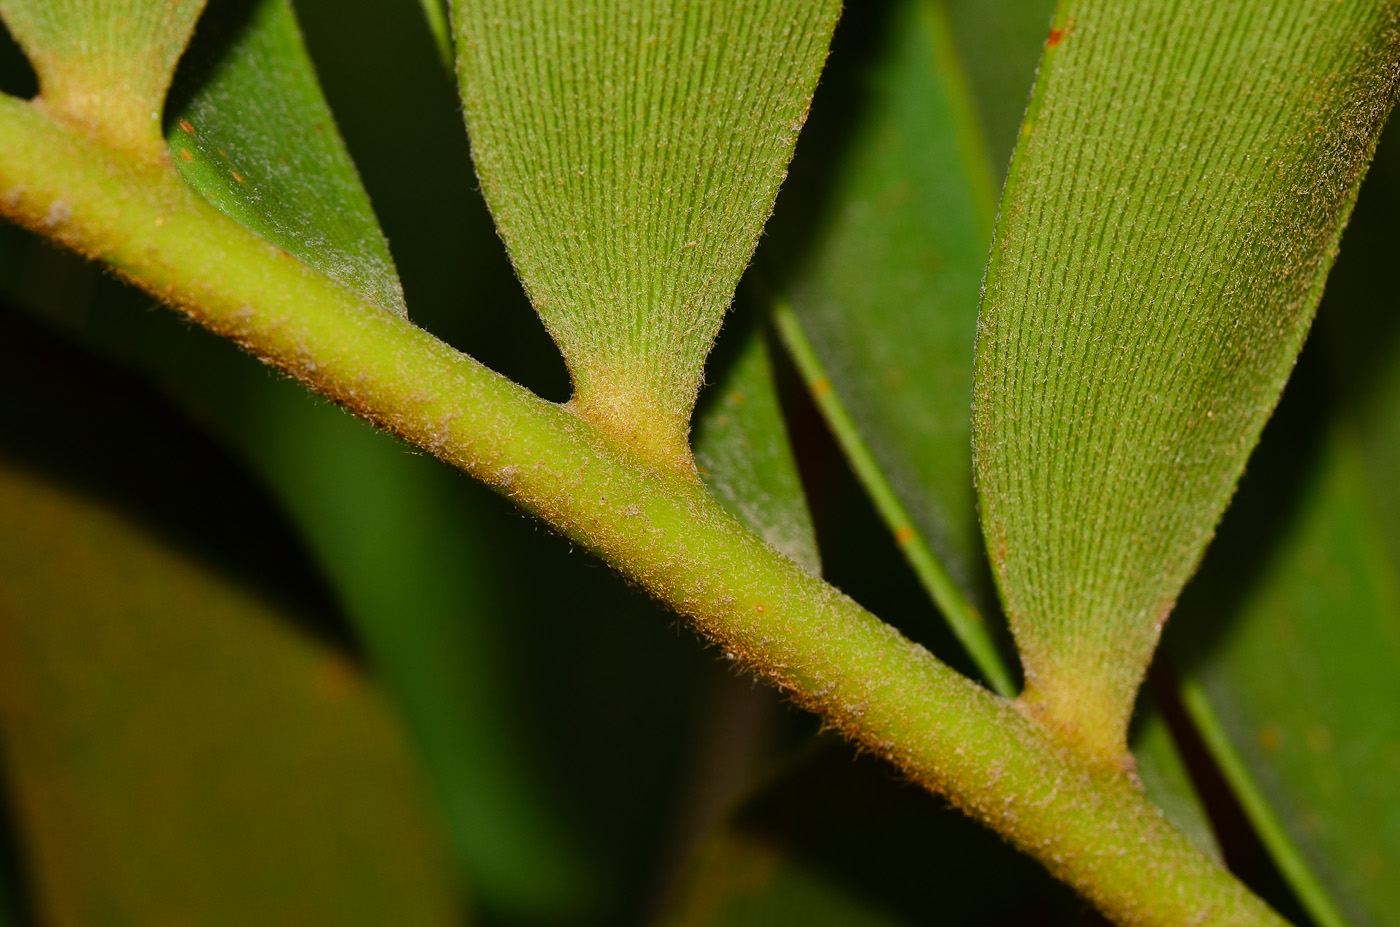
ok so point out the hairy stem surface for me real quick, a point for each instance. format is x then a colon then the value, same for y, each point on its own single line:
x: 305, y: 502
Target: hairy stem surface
x: 1092, y: 828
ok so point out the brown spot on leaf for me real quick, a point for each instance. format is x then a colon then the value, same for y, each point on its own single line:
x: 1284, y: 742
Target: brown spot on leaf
x: 821, y: 387
x: 186, y: 155
x: 184, y: 125
x: 904, y: 535
x: 237, y: 176
x: 1056, y: 36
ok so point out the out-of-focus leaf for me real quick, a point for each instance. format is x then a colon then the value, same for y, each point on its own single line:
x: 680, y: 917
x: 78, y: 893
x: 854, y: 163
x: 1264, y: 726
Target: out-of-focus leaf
x: 836, y: 841
x: 630, y: 154
x: 884, y: 276
x: 14, y: 897
x: 177, y: 756
x: 105, y: 65
x: 406, y: 554
x: 1172, y: 210
x: 878, y: 245
x: 1167, y: 781
x: 1302, y: 686
x: 1290, y: 638
x: 250, y: 130
x: 741, y: 446
x: 999, y: 44
x: 435, y: 14
x: 178, y: 748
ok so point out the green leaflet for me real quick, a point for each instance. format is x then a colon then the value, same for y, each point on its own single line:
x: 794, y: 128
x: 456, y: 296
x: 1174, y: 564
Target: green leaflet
x: 741, y: 447
x: 250, y: 130
x: 1171, y: 212
x: 891, y: 281
x: 630, y: 153
x: 178, y: 748
x: 907, y: 185
x: 105, y: 65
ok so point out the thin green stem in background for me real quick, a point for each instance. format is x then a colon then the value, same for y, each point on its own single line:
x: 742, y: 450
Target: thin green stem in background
x: 436, y: 14
x: 967, y: 623
x: 1091, y: 827
x: 1311, y: 893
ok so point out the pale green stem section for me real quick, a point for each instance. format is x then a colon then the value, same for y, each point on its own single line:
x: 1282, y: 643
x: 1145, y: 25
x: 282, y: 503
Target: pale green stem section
x: 1091, y: 827
x: 1311, y: 893
x: 967, y: 623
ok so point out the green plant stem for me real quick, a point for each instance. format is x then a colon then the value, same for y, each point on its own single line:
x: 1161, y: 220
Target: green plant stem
x: 962, y: 617
x: 1090, y: 826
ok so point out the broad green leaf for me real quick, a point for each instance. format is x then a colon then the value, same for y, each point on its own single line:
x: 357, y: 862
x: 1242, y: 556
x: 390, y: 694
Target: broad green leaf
x: 177, y: 755
x: 250, y: 130
x: 105, y: 65
x: 835, y: 841
x: 741, y: 447
x: 630, y: 154
x: 178, y: 748
x: 1174, y: 204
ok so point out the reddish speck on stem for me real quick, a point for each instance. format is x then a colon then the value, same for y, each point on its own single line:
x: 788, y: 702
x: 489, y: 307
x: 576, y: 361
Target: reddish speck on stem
x: 186, y: 126
x: 186, y: 155
x: 237, y: 176
x: 1056, y: 36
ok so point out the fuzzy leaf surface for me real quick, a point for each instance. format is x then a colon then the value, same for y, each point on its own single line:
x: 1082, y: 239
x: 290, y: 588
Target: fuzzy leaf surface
x: 630, y: 154
x: 250, y: 130
x: 1170, y: 215
x: 105, y: 65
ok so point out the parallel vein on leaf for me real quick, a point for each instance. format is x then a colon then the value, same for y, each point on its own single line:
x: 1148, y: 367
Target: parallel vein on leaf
x: 1164, y: 235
